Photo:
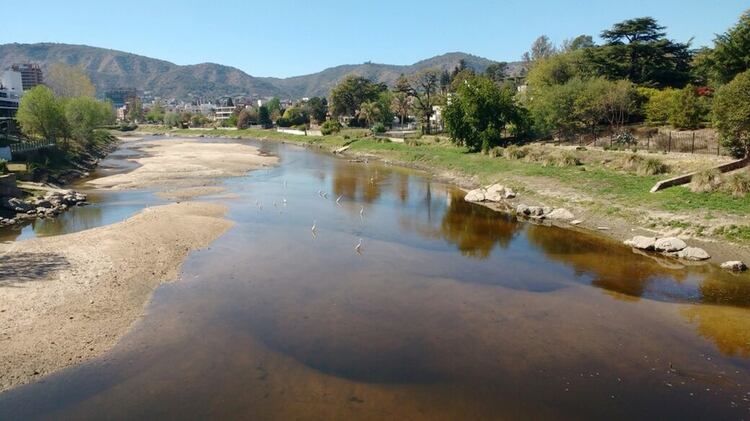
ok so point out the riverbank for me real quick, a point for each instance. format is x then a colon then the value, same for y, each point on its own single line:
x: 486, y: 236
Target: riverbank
x: 69, y: 298
x: 607, y: 199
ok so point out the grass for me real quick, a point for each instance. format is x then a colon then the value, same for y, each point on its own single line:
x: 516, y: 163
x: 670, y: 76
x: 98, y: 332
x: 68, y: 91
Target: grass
x: 622, y: 187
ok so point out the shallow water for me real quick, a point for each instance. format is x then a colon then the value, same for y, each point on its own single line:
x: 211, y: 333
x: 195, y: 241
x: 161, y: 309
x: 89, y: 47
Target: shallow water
x: 450, y: 311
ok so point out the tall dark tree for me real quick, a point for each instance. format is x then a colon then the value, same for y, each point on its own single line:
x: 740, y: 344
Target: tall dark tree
x: 578, y: 43
x: 731, y: 54
x: 638, y: 50
x: 352, y: 92
x: 497, y: 72
x: 424, y: 86
x: 318, y: 108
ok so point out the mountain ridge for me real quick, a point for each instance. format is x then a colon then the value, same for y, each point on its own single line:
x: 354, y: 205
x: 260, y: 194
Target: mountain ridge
x: 109, y: 68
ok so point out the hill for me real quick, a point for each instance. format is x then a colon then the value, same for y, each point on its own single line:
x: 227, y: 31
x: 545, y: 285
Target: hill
x: 111, y: 68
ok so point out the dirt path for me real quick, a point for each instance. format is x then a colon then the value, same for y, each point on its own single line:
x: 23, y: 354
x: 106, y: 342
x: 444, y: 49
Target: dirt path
x: 70, y: 298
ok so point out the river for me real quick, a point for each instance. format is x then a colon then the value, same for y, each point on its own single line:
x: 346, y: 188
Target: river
x: 448, y: 310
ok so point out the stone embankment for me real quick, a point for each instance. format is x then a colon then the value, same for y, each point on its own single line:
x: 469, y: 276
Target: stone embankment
x: 50, y: 205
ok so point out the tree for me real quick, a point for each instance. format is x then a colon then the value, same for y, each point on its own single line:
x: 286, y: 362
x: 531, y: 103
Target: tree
x: 369, y: 112
x: 478, y: 113
x: 619, y: 103
x: 264, y: 116
x: 731, y: 54
x: 686, y: 110
x: 317, y: 109
x: 400, y: 104
x: 638, y: 50
x: 445, y: 81
x: 351, y: 92
x: 659, y: 104
x: 84, y: 114
x: 296, y: 116
x: 731, y: 112
x: 541, y: 48
x: 497, y: 72
x: 40, y: 114
x: 172, y: 120
x: 69, y: 82
x: 274, y: 107
x: 134, y: 110
x: 578, y: 43
x: 156, y: 113
x: 423, y: 89
x: 246, y: 117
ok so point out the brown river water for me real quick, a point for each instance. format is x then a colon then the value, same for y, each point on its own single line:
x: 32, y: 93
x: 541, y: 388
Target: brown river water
x: 449, y: 311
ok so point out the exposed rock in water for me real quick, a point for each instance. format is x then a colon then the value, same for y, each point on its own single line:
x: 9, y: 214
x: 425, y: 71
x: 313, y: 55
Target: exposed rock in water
x: 641, y: 243
x: 476, y: 195
x: 693, y: 253
x: 492, y: 193
x: 734, y: 266
x: 47, y: 206
x: 561, y: 214
x: 669, y: 244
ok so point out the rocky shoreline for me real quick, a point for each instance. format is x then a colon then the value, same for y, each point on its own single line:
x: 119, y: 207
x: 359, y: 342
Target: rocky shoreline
x: 50, y: 205
x: 672, y: 247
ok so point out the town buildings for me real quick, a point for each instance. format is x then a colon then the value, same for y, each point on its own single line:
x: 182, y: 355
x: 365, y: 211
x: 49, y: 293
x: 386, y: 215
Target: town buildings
x: 31, y: 74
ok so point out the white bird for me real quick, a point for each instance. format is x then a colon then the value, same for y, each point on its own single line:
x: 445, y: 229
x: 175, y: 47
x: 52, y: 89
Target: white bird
x: 325, y: 195
x: 362, y: 211
x: 358, y: 247
x: 320, y: 193
x: 283, y: 201
x: 338, y: 199
x: 314, y: 227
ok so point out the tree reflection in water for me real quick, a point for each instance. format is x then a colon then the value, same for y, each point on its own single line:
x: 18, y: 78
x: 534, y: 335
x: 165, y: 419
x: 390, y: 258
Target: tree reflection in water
x: 611, y: 266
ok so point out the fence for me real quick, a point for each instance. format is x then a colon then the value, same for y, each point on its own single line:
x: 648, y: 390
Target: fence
x: 668, y: 141
x: 31, y: 146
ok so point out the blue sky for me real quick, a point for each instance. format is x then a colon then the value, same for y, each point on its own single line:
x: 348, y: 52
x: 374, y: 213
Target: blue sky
x: 289, y: 37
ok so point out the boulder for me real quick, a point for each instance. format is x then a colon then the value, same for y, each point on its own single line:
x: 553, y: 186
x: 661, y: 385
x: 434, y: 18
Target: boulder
x: 494, y: 193
x: 15, y: 204
x: 522, y: 210
x: 641, y: 243
x: 509, y: 194
x: 476, y: 195
x: 561, y: 214
x: 669, y: 244
x: 535, y: 211
x: 734, y: 266
x: 693, y: 253
x: 546, y: 210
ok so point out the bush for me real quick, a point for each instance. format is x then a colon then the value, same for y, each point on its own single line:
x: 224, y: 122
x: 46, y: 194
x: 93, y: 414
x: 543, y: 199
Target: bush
x: 3, y: 166
x: 378, y: 128
x: 706, y: 181
x: 732, y: 114
x: 567, y: 159
x: 330, y: 127
x: 514, y: 152
x: 738, y: 184
x: 651, y: 166
x: 496, y: 152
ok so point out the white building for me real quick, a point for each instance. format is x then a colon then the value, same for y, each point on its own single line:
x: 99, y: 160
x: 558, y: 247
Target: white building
x: 223, y: 113
x: 11, y: 89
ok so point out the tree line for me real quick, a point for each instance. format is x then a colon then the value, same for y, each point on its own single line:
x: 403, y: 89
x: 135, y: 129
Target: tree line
x: 64, y: 110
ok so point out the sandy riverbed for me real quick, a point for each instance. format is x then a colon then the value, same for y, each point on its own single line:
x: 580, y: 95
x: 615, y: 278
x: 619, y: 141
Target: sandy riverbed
x: 69, y: 298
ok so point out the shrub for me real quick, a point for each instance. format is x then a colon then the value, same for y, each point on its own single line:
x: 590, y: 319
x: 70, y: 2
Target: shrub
x: 496, y: 152
x: 567, y: 159
x: 732, y: 114
x: 514, y: 152
x: 632, y: 162
x: 3, y: 166
x: 330, y: 127
x: 378, y: 128
x: 738, y: 184
x: 651, y: 166
x: 706, y: 181
x: 534, y: 155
